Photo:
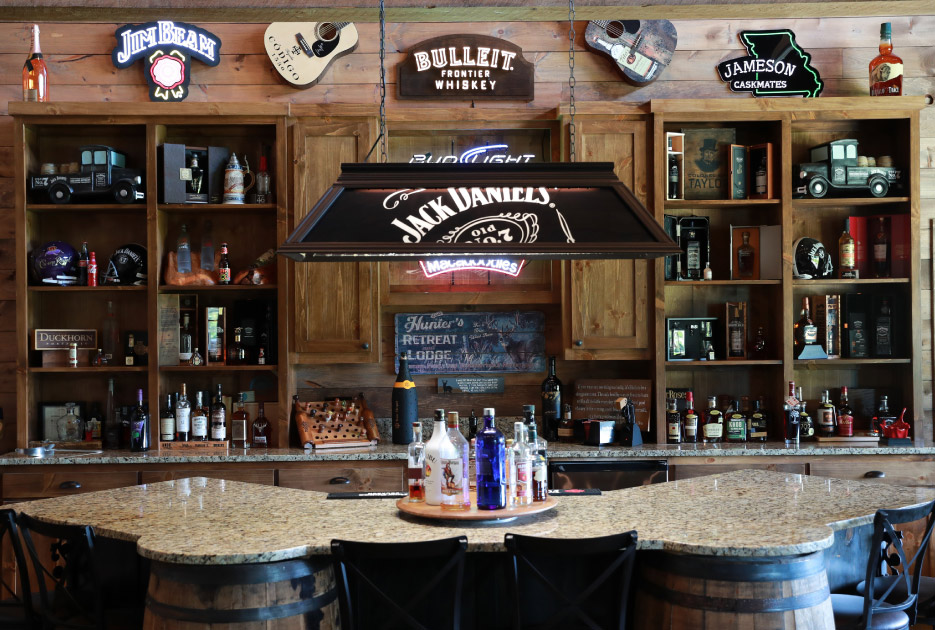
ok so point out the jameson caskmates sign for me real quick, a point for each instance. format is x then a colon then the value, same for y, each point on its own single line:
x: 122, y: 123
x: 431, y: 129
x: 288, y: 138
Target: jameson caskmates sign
x: 465, y: 67
x: 775, y: 65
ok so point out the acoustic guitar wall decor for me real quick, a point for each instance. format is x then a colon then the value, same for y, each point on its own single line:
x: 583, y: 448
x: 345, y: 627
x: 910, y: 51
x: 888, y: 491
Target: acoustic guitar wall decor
x: 642, y: 49
x: 302, y: 51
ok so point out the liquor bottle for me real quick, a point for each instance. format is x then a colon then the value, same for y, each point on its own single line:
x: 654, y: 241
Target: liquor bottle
x: 540, y: 470
x: 83, y: 265
x: 73, y: 355
x: 529, y: 418
x: 689, y: 420
x: 415, y: 470
x: 761, y: 178
x: 167, y: 421
x: 139, y: 425
x: 224, y: 266
x: 196, y: 359
x: 183, y: 417
x: 405, y: 403
x: 713, y: 428
x: 458, y: 491
x: 510, y: 468
x: 883, y: 328
x: 883, y: 416
x: 791, y: 420
x: 237, y: 354
x: 92, y: 428
x: 262, y: 182
x: 847, y: 254
x: 881, y: 251
x: 111, y: 335
x: 69, y: 426
x: 185, y: 341
x: 99, y: 360
x: 434, y: 448
x: 35, y: 73
x: 673, y: 177
x: 825, y: 415
x: 92, y: 269
x: 673, y: 423
x: 521, y: 467
x: 111, y: 418
x: 207, y: 247
x: 183, y: 252
x: 746, y: 257
x: 845, y: 416
x: 805, y: 331
x: 566, y: 428
x: 261, y: 432
x: 759, y: 422
x: 261, y: 357
x: 472, y: 442
x: 759, y: 344
x: 472, y: 425
x: 736, y: 424
x: 240, y: 420
x: 219, y: 417
x: 129, y: 353
x: 551, y: 403
x: 707, y: 273
x: 490, y: 458
x: 193, y: 183
x: 806, y: 424
x: 886, y: 69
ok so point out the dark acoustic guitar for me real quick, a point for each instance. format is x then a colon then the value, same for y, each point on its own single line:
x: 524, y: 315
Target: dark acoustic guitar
x: 642, y: 49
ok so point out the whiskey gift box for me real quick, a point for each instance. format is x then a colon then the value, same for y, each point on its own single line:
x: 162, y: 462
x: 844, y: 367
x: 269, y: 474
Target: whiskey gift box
x: 174, y: 160
x: 694, y: 240
x: 735, y: 324
x: 856, y: 318
x: 827, y: 317
x: 691, y: 338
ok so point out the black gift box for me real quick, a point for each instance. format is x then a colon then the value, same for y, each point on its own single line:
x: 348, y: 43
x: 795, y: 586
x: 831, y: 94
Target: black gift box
x: 174, y: 160
x: 690, y: 338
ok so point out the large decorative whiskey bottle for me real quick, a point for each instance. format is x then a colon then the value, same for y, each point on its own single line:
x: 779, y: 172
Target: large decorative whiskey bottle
x: 886, y: 69
x: 405, y: 403
x: 35, y: 72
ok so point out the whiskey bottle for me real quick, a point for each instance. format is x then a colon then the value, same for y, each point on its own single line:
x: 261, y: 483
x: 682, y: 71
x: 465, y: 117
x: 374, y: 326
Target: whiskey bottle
x: 540, y: 469
x: 404, y: 404
x: 845, y: 416
x: 139, y: 425
x: 746, y: 257
x: 183, y: 252
x: 736, y: 424
x: 183, y: 417
x: 673, y: 177
x: 224, y: 266
x: 199, y: 419
x: 881, y: 251
x: 805, y: 331
x: 886, y: 69
x: 826, y: 416
x: 806, y: 424
x: 185, y: 341
x: 167, y: 421
x: 566, y: 428
x: 673, y: 423
x: 237, y: 354
x: 551, y: 403
x: 758, y: 422
x: 261, y: 432
x: 490, y: 458
x: 689, y: 420
x: 415, y: 471
x: 458, y: 490
x: 693, y: 255
x: 219, y: 417
x: 713, y: 427
x: 35, y: 72
x: 193, y: 183
x: 791, y: 420
x: 847, y: 254
x: 761, y: 178
x: 240, y: 420
x: 434, y: 449
x: 129, y: 356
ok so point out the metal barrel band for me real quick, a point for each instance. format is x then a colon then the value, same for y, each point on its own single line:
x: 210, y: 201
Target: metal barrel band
x: 740, y: 570
x: 733, y: 605
x: 228, y: 575
x: 241, y: 615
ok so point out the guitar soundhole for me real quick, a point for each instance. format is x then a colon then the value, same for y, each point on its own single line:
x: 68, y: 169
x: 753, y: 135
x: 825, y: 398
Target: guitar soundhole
x: 615, y: 29
x: 327, y: 31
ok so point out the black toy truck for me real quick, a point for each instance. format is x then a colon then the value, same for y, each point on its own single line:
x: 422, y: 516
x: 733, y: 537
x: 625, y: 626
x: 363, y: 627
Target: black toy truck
x: 103, y: 172
x: 834, y: 166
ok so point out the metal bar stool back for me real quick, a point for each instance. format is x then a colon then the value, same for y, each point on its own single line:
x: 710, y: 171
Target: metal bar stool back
x: 15, y: 604
x: 69, y: 590
x: 372, y: 593
x: 577, y: 583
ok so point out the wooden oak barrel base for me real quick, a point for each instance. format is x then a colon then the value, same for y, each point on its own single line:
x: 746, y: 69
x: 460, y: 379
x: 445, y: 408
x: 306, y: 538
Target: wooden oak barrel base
x: 685, y: 592
x: 292, y: 594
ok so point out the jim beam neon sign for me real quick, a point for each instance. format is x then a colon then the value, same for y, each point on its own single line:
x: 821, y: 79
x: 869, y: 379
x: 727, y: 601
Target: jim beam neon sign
x: 466, y: 67
x: 167, y: 49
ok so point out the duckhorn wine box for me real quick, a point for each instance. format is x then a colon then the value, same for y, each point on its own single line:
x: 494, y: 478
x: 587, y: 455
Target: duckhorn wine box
x: 54, y: 343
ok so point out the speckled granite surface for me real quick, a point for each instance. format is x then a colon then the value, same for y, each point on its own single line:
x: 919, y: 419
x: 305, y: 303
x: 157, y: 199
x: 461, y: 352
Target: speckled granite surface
x: 740, y: 513
x: 386, y: 450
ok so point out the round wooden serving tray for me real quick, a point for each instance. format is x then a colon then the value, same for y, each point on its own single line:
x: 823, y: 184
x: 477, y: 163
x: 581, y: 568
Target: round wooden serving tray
x: 425, y: 510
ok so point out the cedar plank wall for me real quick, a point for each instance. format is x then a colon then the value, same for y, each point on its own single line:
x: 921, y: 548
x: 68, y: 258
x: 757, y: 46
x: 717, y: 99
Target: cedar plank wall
x: 81, y: 70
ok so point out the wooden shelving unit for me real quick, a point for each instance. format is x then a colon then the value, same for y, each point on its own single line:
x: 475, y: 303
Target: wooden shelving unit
x: 49, y: 132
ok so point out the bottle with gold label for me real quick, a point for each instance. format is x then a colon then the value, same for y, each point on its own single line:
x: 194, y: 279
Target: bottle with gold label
x: 713, y: 427
x: 673, y: 423
x: 405, y: 403
x: 886, y: 69
x: 847, y: 254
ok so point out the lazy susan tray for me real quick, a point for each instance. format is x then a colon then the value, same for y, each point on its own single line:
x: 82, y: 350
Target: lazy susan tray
x: 425, y: 510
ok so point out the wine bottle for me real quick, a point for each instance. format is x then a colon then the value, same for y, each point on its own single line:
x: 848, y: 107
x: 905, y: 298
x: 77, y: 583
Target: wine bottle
x: 551, y: 403
x: 35, y: 72
x: 405, y: 403
x: 139, y: 425
x: 167, y: 421
x: 219, y: 417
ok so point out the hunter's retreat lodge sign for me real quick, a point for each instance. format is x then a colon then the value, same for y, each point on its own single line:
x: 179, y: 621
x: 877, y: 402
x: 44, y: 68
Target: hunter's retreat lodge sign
x: 466, y: 67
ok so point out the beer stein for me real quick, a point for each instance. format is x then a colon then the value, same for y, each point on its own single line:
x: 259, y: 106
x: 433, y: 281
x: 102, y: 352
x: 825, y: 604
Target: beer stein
x: 234, y: 176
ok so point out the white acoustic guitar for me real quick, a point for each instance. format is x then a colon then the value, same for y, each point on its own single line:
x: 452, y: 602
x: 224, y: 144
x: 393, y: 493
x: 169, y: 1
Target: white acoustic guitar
x: 302, y: 51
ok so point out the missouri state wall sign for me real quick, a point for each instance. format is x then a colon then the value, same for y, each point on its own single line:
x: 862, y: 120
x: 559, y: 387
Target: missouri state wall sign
x: 774, y: 66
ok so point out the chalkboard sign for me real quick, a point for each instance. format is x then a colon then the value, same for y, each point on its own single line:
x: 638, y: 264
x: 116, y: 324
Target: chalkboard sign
x: 594, y: 399
x: 453, y: 343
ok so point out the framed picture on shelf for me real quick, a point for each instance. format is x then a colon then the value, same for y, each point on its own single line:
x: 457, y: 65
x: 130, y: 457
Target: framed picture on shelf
x: 706, y: 162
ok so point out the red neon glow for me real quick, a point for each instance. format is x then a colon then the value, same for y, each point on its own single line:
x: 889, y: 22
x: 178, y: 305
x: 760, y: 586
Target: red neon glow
x: 505, y: 266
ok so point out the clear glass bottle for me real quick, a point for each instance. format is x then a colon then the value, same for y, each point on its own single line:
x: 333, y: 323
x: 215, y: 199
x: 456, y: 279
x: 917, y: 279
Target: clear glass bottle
x: 551, y: 403
x: 185, y: 341
x: 69, y: 426
x: 540, y: 469
x: 805, y: 332
x: 510, y: 469
x: 746, y: 257
x: 224, y: 266
x: 167, y: 421
x: 490, y: 458
x: 219, y: 417
x: 183, y: 417
x: 35, y: 72
x: 196, y: 359
x: 713, y: 427
x: 183, y: 252
x: 690, y: 420
x: 261, y: 432
x: 111, y: 334
x: 529, y: 419
x: 521, y: 473
x: 847, y: 253
x: 415, y: 456
x: 673, y: 423
x: 207, y: 246
x: 199, y: 419
x: 194, y: 183
x: 457, y: 491
x: 886, y: 69
x: 263, y: 183
x: 240, y: 420
x: 139, y: 425
x: 433, y: 455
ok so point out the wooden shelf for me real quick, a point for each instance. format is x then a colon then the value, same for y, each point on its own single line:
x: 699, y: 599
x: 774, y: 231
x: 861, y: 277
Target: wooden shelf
x: 110, y: 369
x: 719, y: 203
x: 835, y: 363
x: 71, y: 208
x: 98, y: 289
x: 721, y: 283
x: 701, y: 365
x: 832, y: 282
x: 849, y: 201
x: 217, y: 368
x: 194, y: 208
x: 221, y: 288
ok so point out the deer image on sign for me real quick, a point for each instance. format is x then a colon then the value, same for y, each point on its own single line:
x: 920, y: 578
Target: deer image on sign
x: 458, y: 343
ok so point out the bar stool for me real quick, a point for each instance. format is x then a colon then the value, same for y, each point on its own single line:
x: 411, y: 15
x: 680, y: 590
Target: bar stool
x: 888, y: 601
x: 16, y: 611
x: 429, y: 598
x: 585, y: 578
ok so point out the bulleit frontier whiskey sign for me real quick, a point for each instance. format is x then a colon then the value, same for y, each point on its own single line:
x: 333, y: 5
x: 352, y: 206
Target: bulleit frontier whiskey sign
x: 465, y: 67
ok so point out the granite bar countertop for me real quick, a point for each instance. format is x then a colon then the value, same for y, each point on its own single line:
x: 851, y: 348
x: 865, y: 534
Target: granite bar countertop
x: 744, y: 513
x: 388, y: 451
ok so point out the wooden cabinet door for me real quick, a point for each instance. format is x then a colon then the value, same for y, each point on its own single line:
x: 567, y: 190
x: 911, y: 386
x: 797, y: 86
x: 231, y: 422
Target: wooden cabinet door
x: 335, y: 316
x: 608, y: 305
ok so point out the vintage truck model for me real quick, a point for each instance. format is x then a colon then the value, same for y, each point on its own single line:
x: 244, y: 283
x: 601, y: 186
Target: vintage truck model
x: 103, y: 172
x: 834, y: 166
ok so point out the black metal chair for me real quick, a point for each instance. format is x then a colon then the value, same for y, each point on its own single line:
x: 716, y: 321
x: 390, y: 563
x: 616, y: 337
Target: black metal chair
x: 69, y: 591
x: 585, y: 578
x: 372, y: 593
x: 16, y: 611
x: 887, y: 601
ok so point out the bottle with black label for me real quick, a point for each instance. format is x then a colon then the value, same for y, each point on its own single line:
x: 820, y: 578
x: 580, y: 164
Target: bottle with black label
x: 791, y: 426
x: 167, y: 421
x: 673, y: 424
x: 826, y: 416
x: 673, y: 177
x: 758, y: 422
x: 551, y: 403
x: 713, y: 427
x: 736, y: 424
x: 405, y: 403
x: 806, y: 424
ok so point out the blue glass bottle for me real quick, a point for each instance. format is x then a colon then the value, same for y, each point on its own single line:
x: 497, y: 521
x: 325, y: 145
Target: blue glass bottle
x: 490, y: 460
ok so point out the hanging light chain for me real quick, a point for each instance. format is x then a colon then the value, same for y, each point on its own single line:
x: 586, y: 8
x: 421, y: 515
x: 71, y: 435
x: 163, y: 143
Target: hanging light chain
x: 383, y: 157
x: 572, y: 132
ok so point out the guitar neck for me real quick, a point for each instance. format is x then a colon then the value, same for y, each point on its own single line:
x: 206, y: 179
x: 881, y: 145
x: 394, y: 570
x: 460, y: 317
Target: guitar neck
x: 339, y: 25
x: 602, y: 23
